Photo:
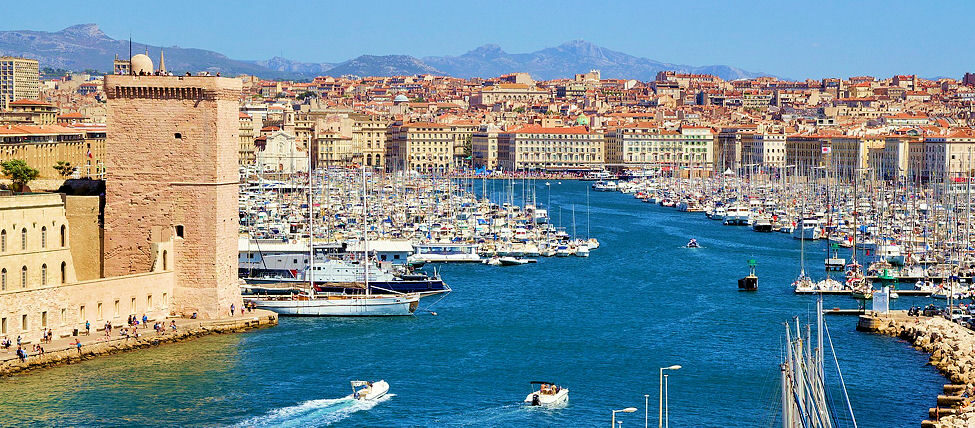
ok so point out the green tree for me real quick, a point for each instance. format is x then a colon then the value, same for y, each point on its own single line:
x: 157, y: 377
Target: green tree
x: 65, y: 169
x: 19, y: 173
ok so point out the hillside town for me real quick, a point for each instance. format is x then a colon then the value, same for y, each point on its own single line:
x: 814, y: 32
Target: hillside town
x: 897, y: 126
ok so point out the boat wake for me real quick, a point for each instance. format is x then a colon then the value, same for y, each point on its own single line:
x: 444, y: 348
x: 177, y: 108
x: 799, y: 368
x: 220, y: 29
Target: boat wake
x: 322, y: 412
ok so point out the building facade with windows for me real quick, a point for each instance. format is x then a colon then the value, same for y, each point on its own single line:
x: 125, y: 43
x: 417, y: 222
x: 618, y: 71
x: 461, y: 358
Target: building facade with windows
x: 19, y: 80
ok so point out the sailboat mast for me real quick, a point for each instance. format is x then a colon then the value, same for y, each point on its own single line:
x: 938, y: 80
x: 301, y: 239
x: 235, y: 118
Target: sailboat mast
x: 311, y: 230
x: 365, y: 235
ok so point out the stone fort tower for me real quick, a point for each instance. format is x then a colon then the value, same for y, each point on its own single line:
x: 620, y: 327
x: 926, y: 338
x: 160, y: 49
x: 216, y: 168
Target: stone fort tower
x: 172, y: 151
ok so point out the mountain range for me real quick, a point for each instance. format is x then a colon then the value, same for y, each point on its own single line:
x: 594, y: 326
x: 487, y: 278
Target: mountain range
x: 85, y: 46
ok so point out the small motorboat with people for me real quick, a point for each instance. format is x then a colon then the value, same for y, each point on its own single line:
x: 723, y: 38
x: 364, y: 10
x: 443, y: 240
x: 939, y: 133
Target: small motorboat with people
x: 693, y: 244
x: 548, y: 394
x: 363, y: 390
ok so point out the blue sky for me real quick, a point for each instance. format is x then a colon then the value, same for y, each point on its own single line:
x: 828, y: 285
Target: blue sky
x: 792, y: 39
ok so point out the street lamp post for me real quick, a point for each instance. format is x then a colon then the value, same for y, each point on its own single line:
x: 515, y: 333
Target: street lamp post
x: 626, y: 410
x: 646, y: 410
x: 660, y: 417
x: 666, y: 402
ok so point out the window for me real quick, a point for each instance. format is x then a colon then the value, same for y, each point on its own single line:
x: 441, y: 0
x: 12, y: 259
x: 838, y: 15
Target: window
x: 165, y: 301
x: 179, y: 230
x: 23, y: 277
x: 99, y: 311
x: 165, y: 264
x: 44, y: 274
x: 3, y: 240
x: 44, y: 319
x: 64, y: 236
x: 23, y: 239
x: 64, y: 272
x: 81, y: 313
x: 3, y: 326
x: 23, y: 322
x: 132, y: 306
x: 3, y: 280
x: 116, y: 313
x: 64, y: 316
x: 178, y: 136
x: 149, y: 302
x: 43, y: 236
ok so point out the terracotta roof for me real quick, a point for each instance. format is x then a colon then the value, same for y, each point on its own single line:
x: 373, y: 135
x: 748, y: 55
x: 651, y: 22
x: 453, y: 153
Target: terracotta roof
x: 538, y: 129
x: 29, y: 103
x: 35, y: 130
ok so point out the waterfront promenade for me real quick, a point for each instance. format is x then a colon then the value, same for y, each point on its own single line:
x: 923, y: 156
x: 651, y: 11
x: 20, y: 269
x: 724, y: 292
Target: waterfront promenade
x: 65, y: 350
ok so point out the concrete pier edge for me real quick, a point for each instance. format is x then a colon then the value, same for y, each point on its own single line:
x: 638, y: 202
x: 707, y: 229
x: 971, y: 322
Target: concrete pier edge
x: 188, y: 330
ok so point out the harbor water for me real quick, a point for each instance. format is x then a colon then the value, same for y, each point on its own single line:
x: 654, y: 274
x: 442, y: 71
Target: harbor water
x: 600, y: 326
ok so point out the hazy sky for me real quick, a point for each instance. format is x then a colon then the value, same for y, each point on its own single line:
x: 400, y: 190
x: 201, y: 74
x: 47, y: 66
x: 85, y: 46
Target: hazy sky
x: 797, y: 40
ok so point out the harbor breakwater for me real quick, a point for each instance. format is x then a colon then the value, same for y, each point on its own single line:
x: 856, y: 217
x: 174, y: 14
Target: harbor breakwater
x: 64, y: 351
x: 952, y: 349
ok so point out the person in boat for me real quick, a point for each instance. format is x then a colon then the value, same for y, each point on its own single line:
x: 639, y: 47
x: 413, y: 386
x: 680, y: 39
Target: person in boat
x: 692, y: 243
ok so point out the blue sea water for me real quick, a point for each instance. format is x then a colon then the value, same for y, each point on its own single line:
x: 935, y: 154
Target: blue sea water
x: 600, y: 326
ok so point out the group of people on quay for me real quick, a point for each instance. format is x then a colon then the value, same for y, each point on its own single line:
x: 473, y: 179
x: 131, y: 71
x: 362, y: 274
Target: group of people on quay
x: 913, y: 236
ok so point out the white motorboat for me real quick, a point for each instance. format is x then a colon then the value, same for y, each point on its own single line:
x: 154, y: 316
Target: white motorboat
x: 493, y: 261
x: 512, y: 261
x: 582, y: 251
x: 367, y: 391
x: 548, y: 394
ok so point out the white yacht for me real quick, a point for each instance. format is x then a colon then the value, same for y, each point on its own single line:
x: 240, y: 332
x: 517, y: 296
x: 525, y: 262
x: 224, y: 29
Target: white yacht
x: 809, y: 229
x: 548, y: 394
x: 339, y: 305
x: 737, y: 215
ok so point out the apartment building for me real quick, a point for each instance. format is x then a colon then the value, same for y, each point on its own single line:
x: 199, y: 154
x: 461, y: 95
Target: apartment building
x: 19, y: 80
x: 533, y: 147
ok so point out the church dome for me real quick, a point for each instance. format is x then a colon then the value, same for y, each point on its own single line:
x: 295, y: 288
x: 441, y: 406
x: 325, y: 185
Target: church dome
x: 401, y: 99
x: 141, y: 64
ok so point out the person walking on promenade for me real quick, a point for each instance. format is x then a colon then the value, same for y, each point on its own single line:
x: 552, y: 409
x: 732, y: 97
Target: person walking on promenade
x: 77, y: 345
x: 232, y: 307
x: 145, y: 321
x: 87, y: 328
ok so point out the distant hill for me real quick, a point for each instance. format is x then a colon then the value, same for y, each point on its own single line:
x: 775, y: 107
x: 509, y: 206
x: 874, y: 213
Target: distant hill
x: 567, y: 59
x: 85, y: 46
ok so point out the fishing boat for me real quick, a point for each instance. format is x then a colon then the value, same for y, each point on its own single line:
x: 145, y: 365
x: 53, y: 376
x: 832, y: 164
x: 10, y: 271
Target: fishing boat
x: 368, y: 391
x: 547, y: 394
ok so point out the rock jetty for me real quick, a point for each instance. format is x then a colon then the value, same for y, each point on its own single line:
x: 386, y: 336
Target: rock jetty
x: 952, y: 349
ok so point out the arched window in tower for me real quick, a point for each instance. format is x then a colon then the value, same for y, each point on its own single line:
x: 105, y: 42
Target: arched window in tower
x: 23, y: 239
x: 165, y: 261
x: 3, y: 279
x: 64, y: 236
x: 44, y: 274
x: 43, y: 236
x: 64, y: 272
x: 3, y: 240
x: 23, y: 277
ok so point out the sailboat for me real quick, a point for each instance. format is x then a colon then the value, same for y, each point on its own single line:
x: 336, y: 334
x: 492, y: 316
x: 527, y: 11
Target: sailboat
x: 803, y: 282
x: 312, y: 303
x: 804, y: 398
